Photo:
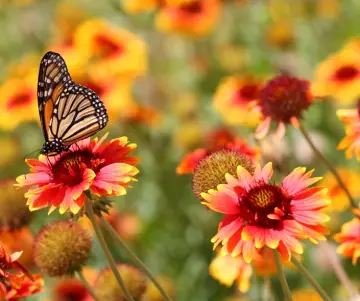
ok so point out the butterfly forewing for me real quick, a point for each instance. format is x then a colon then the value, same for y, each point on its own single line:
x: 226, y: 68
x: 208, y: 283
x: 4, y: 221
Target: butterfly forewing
x: 68, y: 112
x: 53, y: 75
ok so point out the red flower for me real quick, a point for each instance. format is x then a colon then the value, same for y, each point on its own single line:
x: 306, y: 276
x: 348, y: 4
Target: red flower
x: 60, y: 181
x: 283, y: 99
x: 216, y: 140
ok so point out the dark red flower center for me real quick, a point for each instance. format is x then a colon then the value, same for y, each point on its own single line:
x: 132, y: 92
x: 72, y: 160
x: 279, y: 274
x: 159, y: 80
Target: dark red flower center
x: 20, y: 99
x: 284, y: 97
x: 70, y: 168
x: 260, y: 201
x: 194, y: 7
x: 95, y: 86
x: 71, y: 291
x: 346, y: 73
x: 108, y: 48
x: 246, y: 93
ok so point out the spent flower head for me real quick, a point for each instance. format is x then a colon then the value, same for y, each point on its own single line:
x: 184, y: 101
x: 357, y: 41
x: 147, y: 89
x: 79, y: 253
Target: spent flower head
x: 62, y: 248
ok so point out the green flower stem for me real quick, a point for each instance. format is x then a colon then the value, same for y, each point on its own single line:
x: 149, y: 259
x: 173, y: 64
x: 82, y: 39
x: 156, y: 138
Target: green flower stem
x: 133, y: 256
x: 328, y: 165
x: 311, y: 279
x: 282, y: 278
x: 100, y: 236
x: 87, y: 285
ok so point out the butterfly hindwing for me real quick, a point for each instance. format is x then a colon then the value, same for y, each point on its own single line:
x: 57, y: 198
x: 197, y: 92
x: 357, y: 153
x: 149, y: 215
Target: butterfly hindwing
x: 78, y: 113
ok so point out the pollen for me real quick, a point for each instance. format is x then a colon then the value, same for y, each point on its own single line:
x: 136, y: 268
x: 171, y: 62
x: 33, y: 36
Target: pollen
x: 263, y: 198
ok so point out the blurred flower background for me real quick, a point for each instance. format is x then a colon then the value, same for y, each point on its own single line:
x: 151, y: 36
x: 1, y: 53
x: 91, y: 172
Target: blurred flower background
x: 181, y: 79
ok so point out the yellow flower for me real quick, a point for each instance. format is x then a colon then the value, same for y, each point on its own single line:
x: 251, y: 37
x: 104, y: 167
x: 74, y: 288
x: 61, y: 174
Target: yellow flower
x: 339, y: 77
x: 137, y: 6
x: 280, y: 34
x: 68, y: 16
x: 328, y: 8
x: 227, y: 270
x: 152, y: 292
x: 306, y: 295
x: 9, y: 151
x: 189, y: 135
x: 340, y: 201
x: 235, y: 98
x: 116, y: 51
x: 18, y: 103
x: 350, y: 143
x: 193, y: 18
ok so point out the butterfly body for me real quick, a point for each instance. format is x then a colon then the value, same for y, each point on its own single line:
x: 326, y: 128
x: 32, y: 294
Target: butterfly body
x: 68, y: 112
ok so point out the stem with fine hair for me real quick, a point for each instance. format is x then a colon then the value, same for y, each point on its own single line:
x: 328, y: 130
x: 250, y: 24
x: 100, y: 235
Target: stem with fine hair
x: 311, y: 279
x: 328, y: 165
x: 338, y: 268
x: 133, y: 256
x: 87, y: 285
x: 100, y: 236
x: 282, y: 278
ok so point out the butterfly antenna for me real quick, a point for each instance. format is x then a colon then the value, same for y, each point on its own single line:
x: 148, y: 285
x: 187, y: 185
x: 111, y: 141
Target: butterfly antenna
x: 35, y: 151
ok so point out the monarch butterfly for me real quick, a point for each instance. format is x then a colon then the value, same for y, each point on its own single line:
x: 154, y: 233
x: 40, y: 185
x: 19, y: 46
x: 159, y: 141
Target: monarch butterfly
x: 68, y: 112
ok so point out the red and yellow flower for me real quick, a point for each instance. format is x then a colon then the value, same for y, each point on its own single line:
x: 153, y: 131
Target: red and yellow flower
x: 134, y: 7
x: 227, y: 270
x: 339, y: 200
x: 351, y: 142
x: 282, y: 100
x: 259, y: 214
x: 338, y: 77
x: 60, y: 181
x: 193, y: 18
x: 17, y: 105
x: 235, y: 99
x: 349, y: 239
x: 216, y: 140
x: 113, y: 50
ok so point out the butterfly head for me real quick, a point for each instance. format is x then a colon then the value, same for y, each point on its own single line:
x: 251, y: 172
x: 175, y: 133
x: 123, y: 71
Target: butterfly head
x: 53, y: 148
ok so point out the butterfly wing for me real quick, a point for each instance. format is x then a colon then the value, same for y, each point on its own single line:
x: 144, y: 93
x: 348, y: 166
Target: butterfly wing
x: 78, y: 113
x: 53, y: 75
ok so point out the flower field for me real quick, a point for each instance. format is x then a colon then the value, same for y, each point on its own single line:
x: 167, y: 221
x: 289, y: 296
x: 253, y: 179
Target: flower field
x: 180, y: 150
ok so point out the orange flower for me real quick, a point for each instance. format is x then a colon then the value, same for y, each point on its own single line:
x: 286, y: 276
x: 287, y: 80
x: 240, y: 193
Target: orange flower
x: 114, y: 51
x: 20, y: 285
x: 18, y: 103
x: 216, y: 140
x: 193, y: 18
x: 235, y: 99
x: 259, y: 214
x: 339, y: 200
x: 19, y: 240
x: 350, y: 240
x: 306, y: 294
x: 339, y: 77
x: 127, y: 225
x: 26, y: 288
x: 351, y: 142
x: 60, y: 181
x: 133, y: 7
x: 145, y: 115
x: 227, y: 269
